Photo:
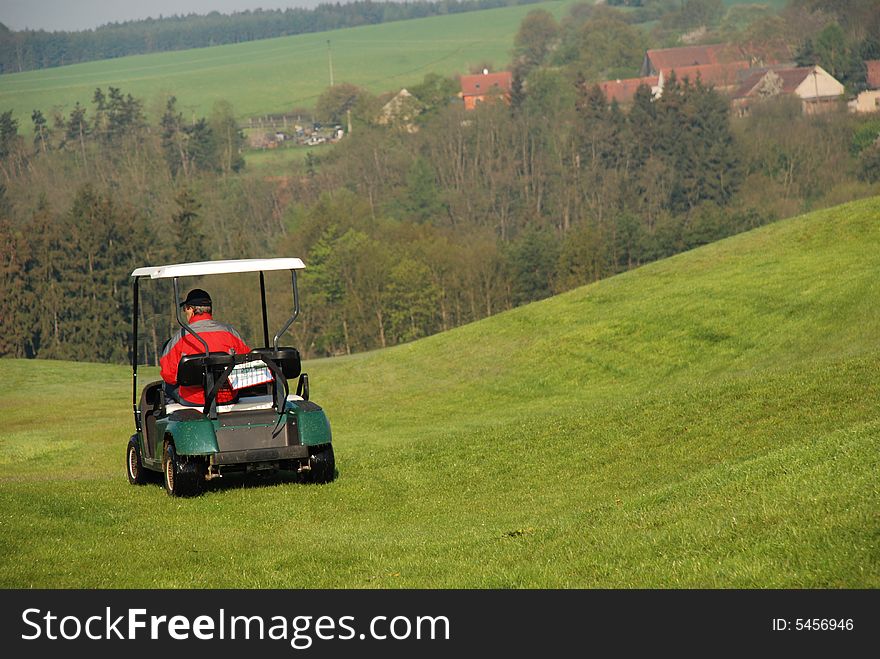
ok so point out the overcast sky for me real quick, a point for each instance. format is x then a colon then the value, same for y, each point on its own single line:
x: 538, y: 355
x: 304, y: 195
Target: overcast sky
x: 85, y: 14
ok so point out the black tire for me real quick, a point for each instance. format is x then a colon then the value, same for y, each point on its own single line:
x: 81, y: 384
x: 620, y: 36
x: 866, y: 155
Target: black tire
x: 181, y: 479
x: 133, y: 466
x: 322, y: 465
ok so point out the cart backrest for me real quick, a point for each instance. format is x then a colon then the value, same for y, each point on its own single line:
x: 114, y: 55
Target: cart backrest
x: 191, y: 368
x: 286, y: 358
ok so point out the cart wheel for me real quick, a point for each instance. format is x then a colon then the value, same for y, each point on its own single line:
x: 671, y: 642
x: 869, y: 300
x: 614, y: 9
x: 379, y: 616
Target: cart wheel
x: 323, y: 465
x: 180, y: 481
x: 134, y: 468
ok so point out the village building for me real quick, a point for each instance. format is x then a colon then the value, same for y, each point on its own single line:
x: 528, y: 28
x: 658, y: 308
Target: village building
x: 868, y: 100
x: 817, y: 89
x: 719, y: 66
x: 725, y: 77
x: 485, y: 86
x: 401, y: 110
x: 683, y: 60
x: 623, y: 91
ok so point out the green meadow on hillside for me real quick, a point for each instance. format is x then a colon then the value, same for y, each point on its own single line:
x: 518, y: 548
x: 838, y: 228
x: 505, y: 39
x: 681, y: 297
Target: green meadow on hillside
x: 710, y: 420
x: 277, y: 75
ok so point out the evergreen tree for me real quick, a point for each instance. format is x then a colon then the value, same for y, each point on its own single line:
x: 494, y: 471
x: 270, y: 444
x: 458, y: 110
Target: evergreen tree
x: 42, y: 133
x: 642, y: 118
x: 201, y: 147
x: 696, y: 143
x: 174, y: 139
x: 530, y: 263
x: 10, y: 159
x: 15, y: 298
x: 80, y: 279
x: 190, y: 239
x: 77, y: 132
x: 421, y: 200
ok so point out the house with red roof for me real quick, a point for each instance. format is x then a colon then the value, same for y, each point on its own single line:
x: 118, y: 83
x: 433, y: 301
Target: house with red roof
x: 818, y: 90
x: 667, y: 59
x: 485, y: 86
x: 624, y: 90
x: 716, y: 65
x: 723, y: 77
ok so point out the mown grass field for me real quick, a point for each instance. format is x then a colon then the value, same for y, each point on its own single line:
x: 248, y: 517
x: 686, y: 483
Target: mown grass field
x: 277, y: 75
x: 710, y: 420
x: 277, y: 162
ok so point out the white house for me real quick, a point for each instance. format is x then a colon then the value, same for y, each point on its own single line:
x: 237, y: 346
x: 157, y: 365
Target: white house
x: 818, y: 90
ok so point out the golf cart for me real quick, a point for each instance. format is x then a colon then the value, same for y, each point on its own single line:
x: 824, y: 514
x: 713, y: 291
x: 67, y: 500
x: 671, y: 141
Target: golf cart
x: 250, y: 421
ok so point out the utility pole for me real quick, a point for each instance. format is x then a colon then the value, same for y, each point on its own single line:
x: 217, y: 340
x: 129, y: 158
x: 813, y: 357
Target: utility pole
x: 816, y: 85
x: 330, y: 60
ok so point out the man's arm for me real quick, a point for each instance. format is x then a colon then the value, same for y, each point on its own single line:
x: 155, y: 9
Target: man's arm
x: 241, y: 348
x: 236, y: 343
x: 170, y: 359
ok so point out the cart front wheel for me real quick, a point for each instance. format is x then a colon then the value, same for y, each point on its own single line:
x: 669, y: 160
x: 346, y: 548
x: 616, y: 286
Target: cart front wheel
x: 134, y: 466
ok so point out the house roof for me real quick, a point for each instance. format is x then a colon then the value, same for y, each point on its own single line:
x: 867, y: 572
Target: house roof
x: 873, y: 77
x: 719, y: 75
x: 486, y: 83
x: 791, y: 79
x: 401, y: 98
x: 747, y: 86
x: 664, y: 59
x: 623, y: 91
x: 402, y: 106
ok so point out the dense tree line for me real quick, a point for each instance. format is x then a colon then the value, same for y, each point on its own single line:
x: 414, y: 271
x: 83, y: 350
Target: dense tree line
x: 94, y: 194
x: 405, y: 232
x: 38, y: 49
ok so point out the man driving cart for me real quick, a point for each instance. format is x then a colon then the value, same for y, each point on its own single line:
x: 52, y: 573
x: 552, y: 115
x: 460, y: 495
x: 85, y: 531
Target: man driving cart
x: 220, y: 337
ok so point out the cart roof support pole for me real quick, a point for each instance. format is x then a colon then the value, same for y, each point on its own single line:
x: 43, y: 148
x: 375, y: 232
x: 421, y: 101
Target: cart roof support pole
x: 265, y: 315
x: 134, y: 356
x: 295, y: 310
x: 181, y: 321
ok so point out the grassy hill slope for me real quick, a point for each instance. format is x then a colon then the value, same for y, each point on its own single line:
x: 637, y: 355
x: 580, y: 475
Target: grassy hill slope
x: 710, y: 420
x: 277, y: 75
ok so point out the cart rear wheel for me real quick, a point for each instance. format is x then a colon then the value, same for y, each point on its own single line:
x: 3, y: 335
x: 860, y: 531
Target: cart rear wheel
x: 181, y: 479
x: 322, y: 465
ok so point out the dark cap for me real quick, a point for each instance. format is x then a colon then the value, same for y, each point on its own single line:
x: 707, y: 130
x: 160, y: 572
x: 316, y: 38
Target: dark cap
x: 197, y: 298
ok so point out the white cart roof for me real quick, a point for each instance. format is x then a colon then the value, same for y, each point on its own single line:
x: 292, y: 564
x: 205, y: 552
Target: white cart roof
x: 217, y: 268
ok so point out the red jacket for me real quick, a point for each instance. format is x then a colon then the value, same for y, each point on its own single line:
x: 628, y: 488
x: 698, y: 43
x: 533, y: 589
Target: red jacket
x: 220, y: 337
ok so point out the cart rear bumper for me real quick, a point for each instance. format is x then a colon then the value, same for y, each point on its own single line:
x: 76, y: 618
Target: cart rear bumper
x: 260, y: 455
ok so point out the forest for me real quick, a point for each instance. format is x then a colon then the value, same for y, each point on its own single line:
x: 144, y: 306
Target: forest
x: 25, y: 50
x: 408, y: 229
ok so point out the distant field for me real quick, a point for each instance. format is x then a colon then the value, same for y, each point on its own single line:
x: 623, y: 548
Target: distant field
x: 271, y: 162
x: 277, y: 75
x: 711, y: 420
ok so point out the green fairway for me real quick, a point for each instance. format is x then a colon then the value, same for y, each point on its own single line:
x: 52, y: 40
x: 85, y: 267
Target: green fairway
x: 277, y: 75
x: 710, y: 420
